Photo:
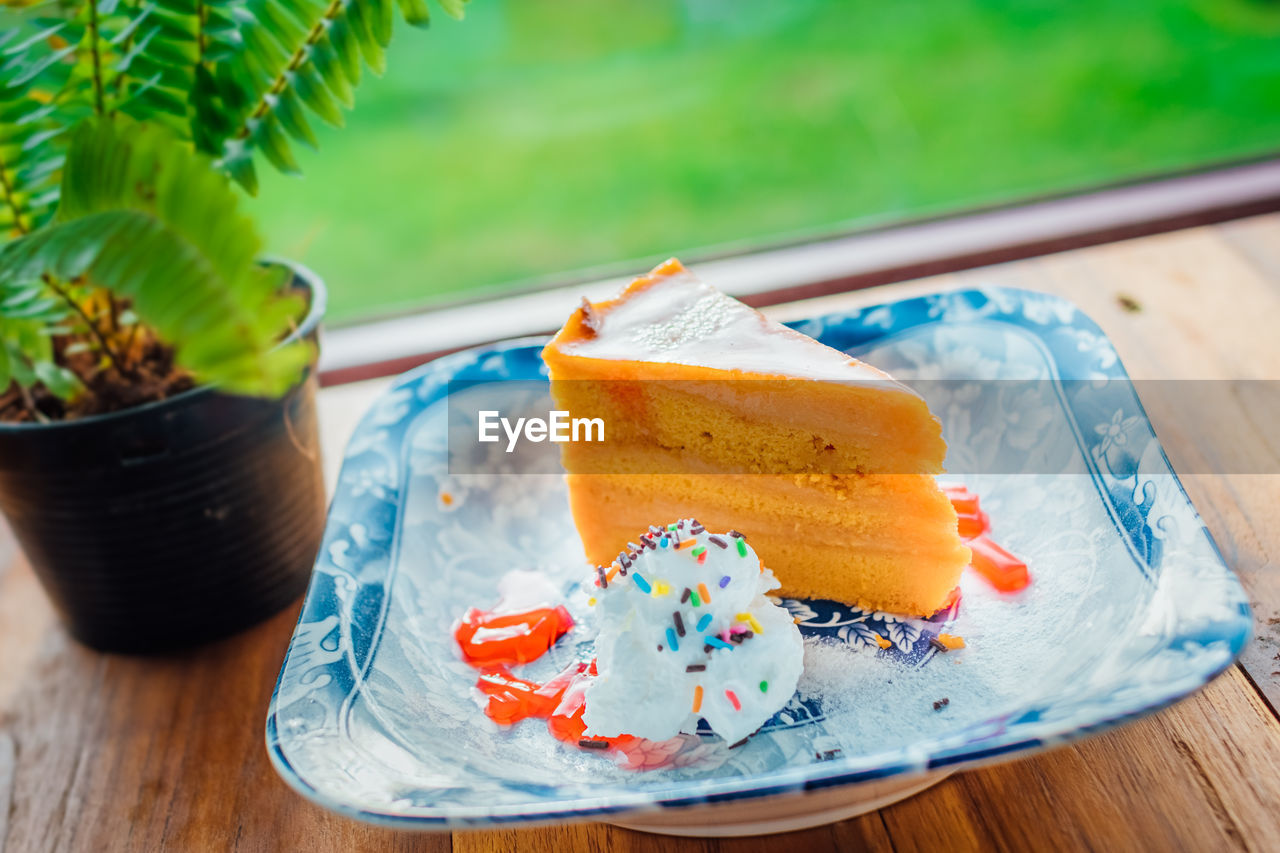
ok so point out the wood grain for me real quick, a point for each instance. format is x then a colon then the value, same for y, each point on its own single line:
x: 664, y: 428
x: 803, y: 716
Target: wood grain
x: 8, y: 766
x: 105, y: 753
x: 161, y: 753
x: 1255, y: 239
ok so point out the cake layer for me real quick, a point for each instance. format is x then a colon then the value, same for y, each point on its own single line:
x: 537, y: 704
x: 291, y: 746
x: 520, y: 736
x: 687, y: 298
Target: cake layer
x: 777, y: 426
x: 883, y: 504
x: 884, y: 542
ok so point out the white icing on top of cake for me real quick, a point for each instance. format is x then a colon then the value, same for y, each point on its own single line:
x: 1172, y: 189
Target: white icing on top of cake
x: 681, y: 319
x: 644, y: 687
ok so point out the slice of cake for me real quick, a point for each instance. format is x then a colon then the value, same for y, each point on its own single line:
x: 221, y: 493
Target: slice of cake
x: 712, y: 411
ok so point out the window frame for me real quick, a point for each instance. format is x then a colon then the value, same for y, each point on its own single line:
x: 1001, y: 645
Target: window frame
x: 848, y: 261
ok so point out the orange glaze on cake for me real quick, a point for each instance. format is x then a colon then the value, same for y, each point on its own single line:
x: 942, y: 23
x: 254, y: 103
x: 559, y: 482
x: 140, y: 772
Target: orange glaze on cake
x: 823, y: 462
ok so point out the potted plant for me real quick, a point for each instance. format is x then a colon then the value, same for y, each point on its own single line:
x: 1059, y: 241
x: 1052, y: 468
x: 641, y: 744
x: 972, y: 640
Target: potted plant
x: 158, y: 445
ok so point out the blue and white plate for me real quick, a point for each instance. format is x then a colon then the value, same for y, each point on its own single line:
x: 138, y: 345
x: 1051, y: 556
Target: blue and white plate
x: 1131, y: 607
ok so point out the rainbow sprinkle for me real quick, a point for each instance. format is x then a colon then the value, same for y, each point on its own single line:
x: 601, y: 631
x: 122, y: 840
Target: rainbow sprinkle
x: 699, y: 551
x: 764, y: 687
x: 661, y: 588
x: 697, y: 602
x: 742, y: 548
x: 591, y: 602
x: 733, y: 700
x: 703, y: 622
x: 713, y: 640
x: 724, y: 581
x: 750, y: 620
x: 671, y: 640
x: 642, y: 583
x: 664, y: 542
x: 685, y: 544
x: 697, y: 698
x: 706, y: 596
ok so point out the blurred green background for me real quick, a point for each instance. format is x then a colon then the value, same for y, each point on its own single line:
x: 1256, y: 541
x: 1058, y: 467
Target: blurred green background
x: 545, y: 136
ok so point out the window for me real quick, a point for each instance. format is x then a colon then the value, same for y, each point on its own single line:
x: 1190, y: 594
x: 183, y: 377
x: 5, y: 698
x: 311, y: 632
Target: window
x: 542, y: 137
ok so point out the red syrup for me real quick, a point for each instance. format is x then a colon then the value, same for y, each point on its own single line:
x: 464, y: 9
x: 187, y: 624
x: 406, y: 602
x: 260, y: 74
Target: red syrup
x: 1000, y: 568
x: 559, y: 701
x: 492, y: 640
x: 489, y: 637
x: 513, y: 699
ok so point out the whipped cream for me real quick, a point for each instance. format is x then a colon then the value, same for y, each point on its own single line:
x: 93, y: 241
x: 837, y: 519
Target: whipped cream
x: 686, y: 631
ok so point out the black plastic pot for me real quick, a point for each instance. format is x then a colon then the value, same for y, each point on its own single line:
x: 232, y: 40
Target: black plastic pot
x: 175, y: 522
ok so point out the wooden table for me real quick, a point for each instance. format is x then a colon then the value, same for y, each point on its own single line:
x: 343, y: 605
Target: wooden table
x: 103, y: 752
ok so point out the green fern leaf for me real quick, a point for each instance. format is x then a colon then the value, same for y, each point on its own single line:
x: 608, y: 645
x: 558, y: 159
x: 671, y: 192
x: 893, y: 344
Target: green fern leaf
x: 375, y: 56
x: 264, y: 48
x: 455, y: 9
x: 332, y: 71
x: 211, y: 122
x: 34, y: 70
x: 26, y: 356
x: 416, y: 13
x: 380, y: 19
x: 294, y: 119
x: 283, y: 25
x: 29, y: 161
x: 238, y: 163
x: 60, y: 381
x: 248, y: 92
x: 238, y: 83
x: 271, y: 141
x: 347, y: 47
x: 313, y: 93
x: 146, y: 217
x: 97, y: 57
